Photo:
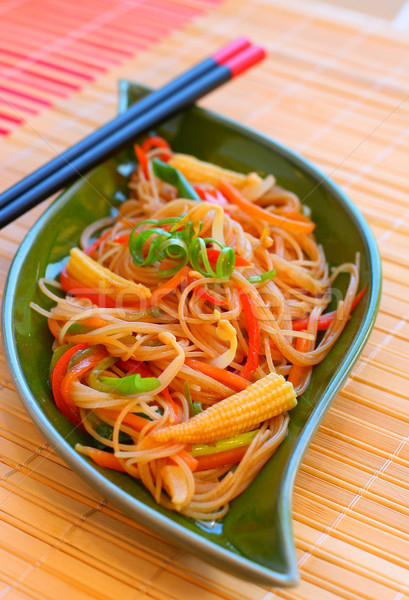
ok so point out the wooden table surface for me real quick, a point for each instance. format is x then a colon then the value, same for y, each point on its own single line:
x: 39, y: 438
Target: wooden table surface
x: 334, y: 88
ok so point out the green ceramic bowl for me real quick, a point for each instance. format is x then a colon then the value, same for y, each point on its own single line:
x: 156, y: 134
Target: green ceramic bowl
x: 255, y: 540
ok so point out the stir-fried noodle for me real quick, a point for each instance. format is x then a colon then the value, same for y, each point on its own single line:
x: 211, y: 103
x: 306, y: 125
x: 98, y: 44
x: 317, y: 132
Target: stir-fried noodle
x: 202, y: 286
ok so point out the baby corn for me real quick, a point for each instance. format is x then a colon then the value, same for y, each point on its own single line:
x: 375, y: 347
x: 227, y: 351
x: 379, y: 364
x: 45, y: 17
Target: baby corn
x: 91, y: 274
x: 198, y: 171
x: 260, y: 401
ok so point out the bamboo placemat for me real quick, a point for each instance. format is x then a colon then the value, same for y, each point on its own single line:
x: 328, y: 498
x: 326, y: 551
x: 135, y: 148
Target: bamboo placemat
x: 334, y: 88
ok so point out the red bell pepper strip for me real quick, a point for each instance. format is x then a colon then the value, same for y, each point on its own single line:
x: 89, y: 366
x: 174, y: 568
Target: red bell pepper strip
x: 170, y: 285
x: 211, y: 195
x: 155, y: 141
x: 200, y: 191
x: 253, y: 329
x: 325, y: 320
x: 216, y: 197
x: 142, y: 160
x: 220, y: 459
x: 72, y: 412
x: 202, y: 293
x: 89, y: 250
x: 133, y: 366
x: 213, y: 255
x: 122, y: 239
x: 75, y: 288
x: 58, y: 375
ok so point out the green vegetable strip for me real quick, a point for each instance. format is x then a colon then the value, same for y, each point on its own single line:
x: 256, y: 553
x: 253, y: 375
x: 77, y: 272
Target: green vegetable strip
x: 198, y: 254
x: 57, y: 355
x: 79, y: 329
x: 197, y: 408
x: 81, y: 354
x: 242, y: 439
x: 171, y: 175
x: 106, y: 431
x: 194, y: 407
x: 139, y: 241
x: 263, y: 277
x: 200, y: 261
x: 93, y: 378
x: 131, y: 384
x: 225, y: 262
x: 163, y: 244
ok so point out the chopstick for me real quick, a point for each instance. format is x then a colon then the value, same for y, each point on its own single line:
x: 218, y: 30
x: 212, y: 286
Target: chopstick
x: 226, y: 63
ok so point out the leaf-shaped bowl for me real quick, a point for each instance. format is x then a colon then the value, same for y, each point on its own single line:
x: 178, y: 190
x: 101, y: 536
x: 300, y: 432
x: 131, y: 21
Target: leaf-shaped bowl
x: 255, y: 539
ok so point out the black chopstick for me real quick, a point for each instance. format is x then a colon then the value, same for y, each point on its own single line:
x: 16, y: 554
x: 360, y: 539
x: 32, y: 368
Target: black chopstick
x: 207, y: 76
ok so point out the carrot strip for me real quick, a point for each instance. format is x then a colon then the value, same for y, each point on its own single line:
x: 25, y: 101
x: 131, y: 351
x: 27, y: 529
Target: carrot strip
x: 170, y: 285
x: 220, y: 459
x: 102, y: 458
x: 297, y: 372
x: 54, y: 327
x: 134, y: 421
x: 190, y: 460
x: 230, y: 379
x: 93, y: 322
x: 165, y: 392
x: 296, y: 215
x: 174, y: 413
x: 234, y: 196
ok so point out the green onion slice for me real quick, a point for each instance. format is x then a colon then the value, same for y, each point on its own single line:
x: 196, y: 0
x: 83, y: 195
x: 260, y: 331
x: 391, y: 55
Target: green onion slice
x: 173, y: 176
x: 263, y: 277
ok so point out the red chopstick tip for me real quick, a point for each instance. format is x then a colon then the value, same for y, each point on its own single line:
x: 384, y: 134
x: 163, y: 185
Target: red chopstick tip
x: 230, y: 50
x: 246, y: 59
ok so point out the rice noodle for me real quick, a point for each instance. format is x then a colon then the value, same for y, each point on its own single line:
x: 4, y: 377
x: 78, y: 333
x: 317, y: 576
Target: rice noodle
x: 184, y: 325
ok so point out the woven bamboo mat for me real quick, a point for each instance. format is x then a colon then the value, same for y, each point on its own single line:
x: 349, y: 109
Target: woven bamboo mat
x: 334, y: 88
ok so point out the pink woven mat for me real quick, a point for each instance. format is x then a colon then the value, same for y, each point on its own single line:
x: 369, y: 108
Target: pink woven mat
x: 49, y: 49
